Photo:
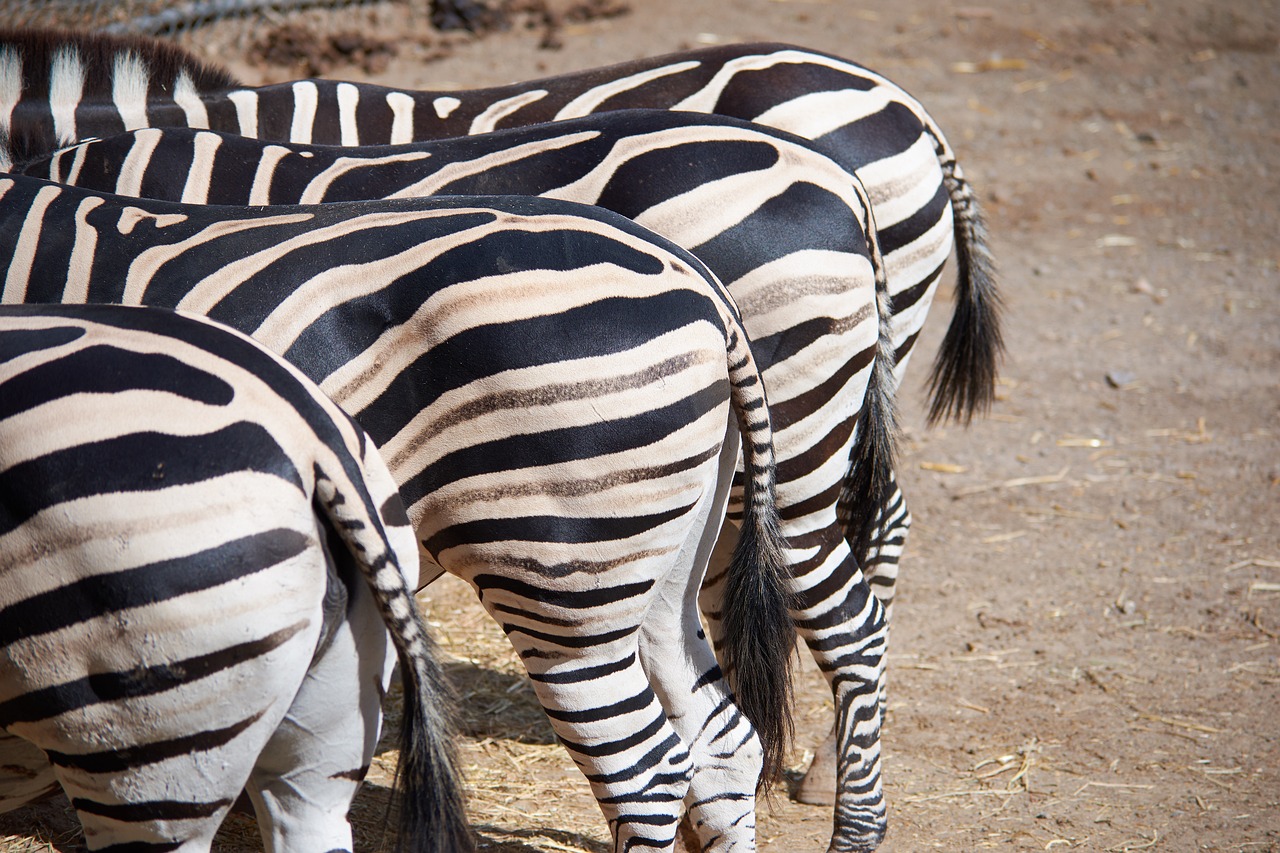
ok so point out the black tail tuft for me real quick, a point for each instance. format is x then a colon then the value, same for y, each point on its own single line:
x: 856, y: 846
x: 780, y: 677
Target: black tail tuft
x: 433, y: 817
x: 962, y: 382
x: 760, y: 635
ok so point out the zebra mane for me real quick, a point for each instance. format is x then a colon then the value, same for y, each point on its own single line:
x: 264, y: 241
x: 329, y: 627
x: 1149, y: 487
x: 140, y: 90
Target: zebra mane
x: 163, y: 60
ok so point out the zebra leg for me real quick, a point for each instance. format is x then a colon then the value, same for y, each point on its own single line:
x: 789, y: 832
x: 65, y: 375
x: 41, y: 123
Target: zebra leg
x: 25, y: 773
x: 843, y: 624
x: 583, y: 651
x: 304, y: 780
x: 881, y: 567
x: 682, y: 667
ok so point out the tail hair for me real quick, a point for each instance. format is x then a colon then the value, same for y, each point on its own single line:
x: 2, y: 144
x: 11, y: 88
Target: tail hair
x: 962, y: 381
x: 870, y: 481
x: 759, y: 635
x: 427, y: 793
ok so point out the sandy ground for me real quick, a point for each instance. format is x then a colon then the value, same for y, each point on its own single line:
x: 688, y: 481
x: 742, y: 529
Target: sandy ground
x: 1086, y: 650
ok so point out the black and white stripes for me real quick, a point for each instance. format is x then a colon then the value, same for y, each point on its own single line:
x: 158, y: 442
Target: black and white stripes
x: 166, y: 491
x: 553, y: 389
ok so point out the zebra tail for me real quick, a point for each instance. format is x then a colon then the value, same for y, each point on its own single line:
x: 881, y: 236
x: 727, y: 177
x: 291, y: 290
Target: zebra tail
x: 759, y: 635
x: 427, y: 793
x: 962, y: 380
x: 869, y: 482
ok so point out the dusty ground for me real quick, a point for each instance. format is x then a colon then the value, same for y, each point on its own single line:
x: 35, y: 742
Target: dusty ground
x: 1086, y: 652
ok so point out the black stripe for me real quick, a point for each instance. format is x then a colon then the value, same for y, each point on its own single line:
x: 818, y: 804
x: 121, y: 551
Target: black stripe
x: 488, y: 349
x: 138, y: 462
x: 153, y: 810
x: 886, y: 133
x: 580, y: 599
x: 106, y: 369
x: 613, y: 747
x: 118, y: 760
x: 93, y: 596
x: 648, y: 179
x: 559, y: 446
x: 803, y: 217
x: 550, y: 528
x: 589, y: 673
x: 903, y: 233
x: 638, y: 702
x: 143, y: 681
x: 19, y: 342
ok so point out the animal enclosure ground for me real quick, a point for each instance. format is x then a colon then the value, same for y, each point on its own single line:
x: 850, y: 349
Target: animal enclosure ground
x: 1086, y: 646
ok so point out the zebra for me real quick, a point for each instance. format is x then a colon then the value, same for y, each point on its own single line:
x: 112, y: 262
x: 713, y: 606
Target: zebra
x: 558, y: 394
x: 785, y: 228
x: 153, y: 466
x: 924, y: 205
x: 57, y: 88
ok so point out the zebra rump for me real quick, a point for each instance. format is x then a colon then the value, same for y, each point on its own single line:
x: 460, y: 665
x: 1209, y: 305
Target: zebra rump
x: 202, y: 557
x: 555, y: 391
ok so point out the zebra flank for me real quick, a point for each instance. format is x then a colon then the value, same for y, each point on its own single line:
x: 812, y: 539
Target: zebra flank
x: 558, y: 393
x: 152, y: 466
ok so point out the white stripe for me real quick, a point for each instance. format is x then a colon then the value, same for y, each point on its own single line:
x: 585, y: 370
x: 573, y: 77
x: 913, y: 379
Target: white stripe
x: 499, y: 110
x: 131, y: 216
x: 66, y: 87
x: 129, y: 80
x: 129, y: 179
x: 436, y: 181
x: 305, y: 98
x: 589, y: 100
x: 445, y: 105
x: 319, y: 185
x: 260, y: 192
x: 145, y: 266
x: 196, y: 189
x: 246, y: 103
x: 77, y: 164
x: 818, y: 113
x: 10, y: 85
x: 186, y: 96
x: 348, y: 100
x: 82, y: 252
x: 401, y: 117
x: 24, y: 249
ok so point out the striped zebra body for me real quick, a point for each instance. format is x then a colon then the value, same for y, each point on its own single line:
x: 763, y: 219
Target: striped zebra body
x: 784, y: 227
x: 153, y: 467
x: 862, y: 120
x: 554, y: 390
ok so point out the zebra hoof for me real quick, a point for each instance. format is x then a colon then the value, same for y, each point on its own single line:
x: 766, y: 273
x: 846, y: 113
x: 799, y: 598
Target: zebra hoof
x: 818, y: 786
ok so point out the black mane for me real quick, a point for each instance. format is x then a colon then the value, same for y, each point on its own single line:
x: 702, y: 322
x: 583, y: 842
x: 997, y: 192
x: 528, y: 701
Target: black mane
x: 163, y: 60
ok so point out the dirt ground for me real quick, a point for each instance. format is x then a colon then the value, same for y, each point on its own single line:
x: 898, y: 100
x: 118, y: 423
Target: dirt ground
x: 1086, y: 648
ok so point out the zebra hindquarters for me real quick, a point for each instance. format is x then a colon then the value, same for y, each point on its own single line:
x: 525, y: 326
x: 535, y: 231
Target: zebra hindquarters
x: 188, y: 686
x: 570, y: 544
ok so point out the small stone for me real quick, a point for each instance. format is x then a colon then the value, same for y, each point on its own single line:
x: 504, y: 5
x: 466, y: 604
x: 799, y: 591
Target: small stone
x: 1120, y: 378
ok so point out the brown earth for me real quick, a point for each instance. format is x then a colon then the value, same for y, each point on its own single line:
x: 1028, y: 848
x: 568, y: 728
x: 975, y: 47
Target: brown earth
x: 1086, y: 651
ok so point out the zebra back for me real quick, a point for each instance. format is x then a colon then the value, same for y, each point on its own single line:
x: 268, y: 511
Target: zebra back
x: 864, y: 121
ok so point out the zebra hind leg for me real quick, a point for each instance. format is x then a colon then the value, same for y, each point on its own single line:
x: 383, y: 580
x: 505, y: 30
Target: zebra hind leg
x: 727, y: 753
x: 304, y: 780
x: 881, y: 563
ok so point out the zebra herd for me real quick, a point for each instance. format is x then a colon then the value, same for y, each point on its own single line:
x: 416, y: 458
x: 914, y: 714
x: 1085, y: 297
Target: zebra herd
x: 555, y: 309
